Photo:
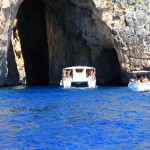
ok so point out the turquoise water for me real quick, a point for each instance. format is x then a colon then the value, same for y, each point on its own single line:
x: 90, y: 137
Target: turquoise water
x: 41, y: 118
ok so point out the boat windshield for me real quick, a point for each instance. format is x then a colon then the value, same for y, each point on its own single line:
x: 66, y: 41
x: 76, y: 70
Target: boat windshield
x: 79, y: 70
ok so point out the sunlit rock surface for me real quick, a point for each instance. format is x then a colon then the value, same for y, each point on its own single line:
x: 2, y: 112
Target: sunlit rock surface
x: 130, y: 27
x: 16, y: 70
x: 113, y: 36
x: 8, y: 11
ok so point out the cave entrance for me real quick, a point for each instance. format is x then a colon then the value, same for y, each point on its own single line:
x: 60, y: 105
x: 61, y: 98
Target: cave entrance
x: 32, y: 32
x: 108, y: 68
x: 64, y: 43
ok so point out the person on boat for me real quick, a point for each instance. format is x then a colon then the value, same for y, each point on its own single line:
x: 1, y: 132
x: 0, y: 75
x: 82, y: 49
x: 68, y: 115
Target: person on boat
x: 145, y: 79
x: 141, y: 78
x: 91, y: 72
x: 64, y: 74
x: 87, y: 73
x: 94, y: 74
x: 138, y: 81
x: 69, y: 73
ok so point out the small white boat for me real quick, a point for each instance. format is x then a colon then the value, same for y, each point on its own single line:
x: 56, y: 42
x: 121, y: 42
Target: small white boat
x: 137, y: 83
x: 78, y: 75
x: 140, y: 87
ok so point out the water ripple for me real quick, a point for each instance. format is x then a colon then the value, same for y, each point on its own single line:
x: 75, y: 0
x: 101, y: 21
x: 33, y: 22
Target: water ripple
x: 55, y: 118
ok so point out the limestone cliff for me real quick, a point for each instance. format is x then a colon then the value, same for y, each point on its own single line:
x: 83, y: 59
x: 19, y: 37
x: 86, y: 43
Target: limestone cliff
x: 111, y: 35
x: 130, y: 27
x: 8, y: 12
x: 15, y: 61
x: 76, y: 36
x: 90, y: 32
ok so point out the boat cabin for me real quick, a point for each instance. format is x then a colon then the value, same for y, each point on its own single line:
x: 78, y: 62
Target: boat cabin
x: 78, y: 75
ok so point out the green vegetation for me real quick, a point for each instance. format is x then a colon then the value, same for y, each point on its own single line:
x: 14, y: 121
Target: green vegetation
x: 138, y: 1
x: 145, y: 2
x: 128, y: 1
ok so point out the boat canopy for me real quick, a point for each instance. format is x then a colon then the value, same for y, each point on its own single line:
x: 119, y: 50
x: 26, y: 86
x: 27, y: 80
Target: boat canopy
x: 142, y: 71
x: 80, y: 67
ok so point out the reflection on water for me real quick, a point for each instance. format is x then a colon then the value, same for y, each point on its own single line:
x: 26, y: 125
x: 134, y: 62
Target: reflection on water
x: 77, y: 118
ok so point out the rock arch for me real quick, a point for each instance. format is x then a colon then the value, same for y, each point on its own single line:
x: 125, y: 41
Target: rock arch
x: 100, y: 34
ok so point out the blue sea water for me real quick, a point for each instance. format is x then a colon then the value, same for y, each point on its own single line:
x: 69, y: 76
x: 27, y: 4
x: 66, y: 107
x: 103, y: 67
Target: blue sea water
x: 53, y: 118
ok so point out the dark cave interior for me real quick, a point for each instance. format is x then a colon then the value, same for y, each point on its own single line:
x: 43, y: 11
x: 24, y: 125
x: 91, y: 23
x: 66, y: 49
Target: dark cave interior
x: 47, y: 48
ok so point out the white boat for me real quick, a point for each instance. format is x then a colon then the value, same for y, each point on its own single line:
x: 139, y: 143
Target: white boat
x: 140, y: 87
x: 78, y: 75
x: 137, y: 84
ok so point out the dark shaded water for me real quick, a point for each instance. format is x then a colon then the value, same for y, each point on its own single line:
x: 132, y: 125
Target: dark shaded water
x: 79, y: 118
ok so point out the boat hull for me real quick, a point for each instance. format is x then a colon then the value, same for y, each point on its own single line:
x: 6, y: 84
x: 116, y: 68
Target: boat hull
x: 142, y: 87
x: 68, y: 84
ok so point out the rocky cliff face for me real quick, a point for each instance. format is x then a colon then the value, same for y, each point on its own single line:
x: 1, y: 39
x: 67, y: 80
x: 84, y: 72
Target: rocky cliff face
x: 78, y: 36
x: 130, y: 27
x: 8, y: 11
x: 113, y: 36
